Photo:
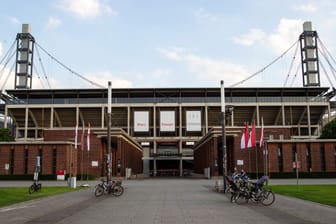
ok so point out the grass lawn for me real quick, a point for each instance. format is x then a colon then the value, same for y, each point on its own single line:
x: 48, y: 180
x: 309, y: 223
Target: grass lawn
x: 12, y: 195
x: 324, y: 194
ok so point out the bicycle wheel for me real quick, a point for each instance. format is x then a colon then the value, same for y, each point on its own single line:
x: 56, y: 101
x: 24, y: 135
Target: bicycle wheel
x: 117, y: 190
x: 99, y: 191
x: 233, y: 197
x: 241, y: 197
x: 228, y: 189
x: 39, y: 187
x: 31, y: 189
x: 267, y: 197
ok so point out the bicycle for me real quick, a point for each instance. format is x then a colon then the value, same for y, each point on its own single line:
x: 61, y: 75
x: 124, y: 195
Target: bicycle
x: 114, y: 187
x: 35, y: 187
x: 243, y: 195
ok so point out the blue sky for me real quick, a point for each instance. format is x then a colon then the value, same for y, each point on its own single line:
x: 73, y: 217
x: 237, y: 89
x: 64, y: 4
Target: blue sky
x: 165, y: 43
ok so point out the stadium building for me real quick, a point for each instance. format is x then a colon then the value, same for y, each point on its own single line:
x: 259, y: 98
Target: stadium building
x: 168, y: 131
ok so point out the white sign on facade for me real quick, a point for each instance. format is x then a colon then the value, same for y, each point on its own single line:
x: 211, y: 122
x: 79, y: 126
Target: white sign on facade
x: 194, y: 121
x: 240, y: 162
x: 141, y: 123
x: 167, y: 121
x: 94, y: 163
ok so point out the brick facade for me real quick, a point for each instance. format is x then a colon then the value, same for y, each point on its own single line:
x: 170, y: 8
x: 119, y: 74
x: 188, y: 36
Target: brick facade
x: 311, y: 153
x: 55, y: 155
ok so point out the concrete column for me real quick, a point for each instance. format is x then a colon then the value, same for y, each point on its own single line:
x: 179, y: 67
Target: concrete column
x: 128, y: 119
x: 283, y: 115
x: 26, y: 124
x: 52, y: 117
x: 102, y: 117
x: 145, y: 161
x: 181, y: 167
x: 154, y: 167
x: 206, y: 120
x: 6, y: 117
x: 308, y: 117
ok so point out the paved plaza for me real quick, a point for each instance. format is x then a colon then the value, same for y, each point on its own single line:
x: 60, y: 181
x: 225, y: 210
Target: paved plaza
x: 161, y: 201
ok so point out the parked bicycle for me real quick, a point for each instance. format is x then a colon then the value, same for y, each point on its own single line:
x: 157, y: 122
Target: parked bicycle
x: 113, y: 187
x: 255, y: 192
x: 35, y: 187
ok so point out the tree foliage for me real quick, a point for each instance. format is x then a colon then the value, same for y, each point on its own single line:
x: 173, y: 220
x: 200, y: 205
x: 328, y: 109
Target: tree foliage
x: 5, y: 135
x: 329, y: 130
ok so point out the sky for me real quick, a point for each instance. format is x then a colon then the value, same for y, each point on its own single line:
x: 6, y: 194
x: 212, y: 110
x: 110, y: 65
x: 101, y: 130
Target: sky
x: 165, y: 43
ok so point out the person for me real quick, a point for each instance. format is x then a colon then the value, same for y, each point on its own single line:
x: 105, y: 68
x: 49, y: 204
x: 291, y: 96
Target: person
x: 260, y: 183
x: 243, y: 174
x: 235, y: 174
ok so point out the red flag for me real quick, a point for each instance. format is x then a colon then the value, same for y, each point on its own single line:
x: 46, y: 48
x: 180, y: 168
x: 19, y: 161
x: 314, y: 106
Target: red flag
x: 261, y: 142
x: 83, y: 132
x: 76, y: 134
x: 88, y: 138
x: 252, y: 140
x: 244, y: 138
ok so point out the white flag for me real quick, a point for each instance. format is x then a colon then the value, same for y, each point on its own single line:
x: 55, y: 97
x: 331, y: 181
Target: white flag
x: 88, y: 138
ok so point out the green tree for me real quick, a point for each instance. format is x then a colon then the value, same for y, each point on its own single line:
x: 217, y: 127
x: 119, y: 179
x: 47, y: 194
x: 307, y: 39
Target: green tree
x: 329, y: 130
x: 5, y: 135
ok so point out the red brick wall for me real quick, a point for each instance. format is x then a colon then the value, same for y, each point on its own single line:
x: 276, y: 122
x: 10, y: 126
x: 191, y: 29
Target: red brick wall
x: 62, y: 157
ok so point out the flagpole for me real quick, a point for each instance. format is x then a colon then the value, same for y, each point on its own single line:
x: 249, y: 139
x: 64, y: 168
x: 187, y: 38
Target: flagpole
x: 223, y: 135
x: 82, y: 167
x: 256, y: 152
x: 109, y: 156
x: 88, y: 166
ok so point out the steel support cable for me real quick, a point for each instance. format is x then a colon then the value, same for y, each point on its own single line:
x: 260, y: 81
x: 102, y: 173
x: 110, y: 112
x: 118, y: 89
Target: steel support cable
x: 39, y: 77
x: 325, y: 71
x: 69, y: 69
x: 323, y: 46
x: 264, y: 68
x: 295, y: 75
x: 5, y: 65
x: 8, y: 52
x: 44, y: 71
x: 7, y: 77
x: 323, y: 53
x: 292, y: 63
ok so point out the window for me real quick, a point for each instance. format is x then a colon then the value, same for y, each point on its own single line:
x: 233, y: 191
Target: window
x: 54, y: 160
x: 294, y: 154
x: 26, y: 153
x: 308, y: 156
x: 40, y: 153
x: 11, y: 166
x: 280, y: 159
x: 323, y: 161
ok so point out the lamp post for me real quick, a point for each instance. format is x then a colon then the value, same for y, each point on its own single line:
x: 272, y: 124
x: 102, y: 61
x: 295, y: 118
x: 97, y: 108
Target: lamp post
x: 109, y: 155
x: 223, y: 134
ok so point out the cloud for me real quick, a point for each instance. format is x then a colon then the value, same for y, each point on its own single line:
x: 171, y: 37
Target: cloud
x: 53, y: 22
x: 306, y: 8
x: 173, y: 53
x: 206, y: 68
x: 204, y: 15
x: 7, y: 78
x: 86, y: 8
x: 102, y: 78
x: 254, y: 35
x: 14, y: 20
x: 285, y: 34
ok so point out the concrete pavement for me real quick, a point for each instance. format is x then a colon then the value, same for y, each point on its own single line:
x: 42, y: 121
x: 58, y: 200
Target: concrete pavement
x: 162, y: 201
